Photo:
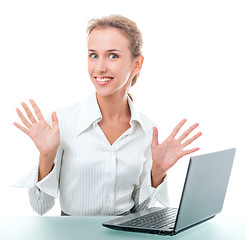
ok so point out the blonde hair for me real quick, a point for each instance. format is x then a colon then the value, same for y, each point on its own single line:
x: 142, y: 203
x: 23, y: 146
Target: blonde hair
x: 128, y: 27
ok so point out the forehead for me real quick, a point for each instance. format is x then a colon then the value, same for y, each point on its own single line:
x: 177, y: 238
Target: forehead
x: 107, y: 38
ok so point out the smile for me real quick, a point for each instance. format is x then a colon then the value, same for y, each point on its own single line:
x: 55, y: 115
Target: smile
x: 103, y: 80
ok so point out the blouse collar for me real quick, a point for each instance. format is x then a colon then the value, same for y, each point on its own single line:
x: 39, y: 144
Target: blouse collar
x: 90, y: 113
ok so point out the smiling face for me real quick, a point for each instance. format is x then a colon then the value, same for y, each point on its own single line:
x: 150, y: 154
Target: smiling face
x: 110, y: 63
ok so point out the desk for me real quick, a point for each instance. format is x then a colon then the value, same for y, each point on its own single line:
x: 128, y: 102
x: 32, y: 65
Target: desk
x: 71, y: 228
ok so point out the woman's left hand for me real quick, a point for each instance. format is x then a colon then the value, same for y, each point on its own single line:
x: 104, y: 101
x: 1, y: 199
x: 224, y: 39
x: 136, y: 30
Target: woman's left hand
x: 166, y: 154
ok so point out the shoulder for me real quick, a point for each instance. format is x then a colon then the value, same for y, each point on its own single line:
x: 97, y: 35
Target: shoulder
x: 147, y: 123
x: 70, y: 111
x: 67, y: 115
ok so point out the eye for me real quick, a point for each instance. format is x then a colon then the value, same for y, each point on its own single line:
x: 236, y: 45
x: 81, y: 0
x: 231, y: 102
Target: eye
x: 93, y: 55
x: 113, y: 55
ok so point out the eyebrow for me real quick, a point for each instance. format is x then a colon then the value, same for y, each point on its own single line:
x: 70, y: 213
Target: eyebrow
x: 110, y: 50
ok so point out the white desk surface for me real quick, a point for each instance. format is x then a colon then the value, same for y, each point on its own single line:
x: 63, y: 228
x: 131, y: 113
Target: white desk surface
x: 221, y: 227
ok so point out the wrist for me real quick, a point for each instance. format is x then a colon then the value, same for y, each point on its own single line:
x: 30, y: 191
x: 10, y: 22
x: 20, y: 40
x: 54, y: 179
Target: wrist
x: 158, y: 171
x: 157, y: 176
x: 46, y: 164
x: 48, y: 153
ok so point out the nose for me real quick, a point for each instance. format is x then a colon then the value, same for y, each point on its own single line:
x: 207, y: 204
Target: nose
x: 101, y: 66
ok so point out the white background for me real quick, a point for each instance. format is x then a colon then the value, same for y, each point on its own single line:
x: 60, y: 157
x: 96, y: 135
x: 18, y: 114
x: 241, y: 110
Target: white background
x: 195, y: 67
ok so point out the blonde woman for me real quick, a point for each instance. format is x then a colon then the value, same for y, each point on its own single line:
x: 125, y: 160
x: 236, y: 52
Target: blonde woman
x: 101, y: 156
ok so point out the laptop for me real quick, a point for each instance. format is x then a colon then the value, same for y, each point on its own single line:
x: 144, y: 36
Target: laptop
x: 202, y: 198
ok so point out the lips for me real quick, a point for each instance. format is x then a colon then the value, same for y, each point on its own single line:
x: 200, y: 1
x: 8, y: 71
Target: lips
x: 103, y: 80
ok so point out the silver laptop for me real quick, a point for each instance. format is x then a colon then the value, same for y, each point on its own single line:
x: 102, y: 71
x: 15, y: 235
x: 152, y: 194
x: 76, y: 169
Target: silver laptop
x: 202, y: 198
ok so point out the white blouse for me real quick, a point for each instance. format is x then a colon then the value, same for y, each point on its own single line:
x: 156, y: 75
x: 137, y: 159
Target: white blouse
x: 92, y: 177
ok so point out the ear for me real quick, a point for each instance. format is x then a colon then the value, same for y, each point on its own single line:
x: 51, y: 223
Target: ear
x: 138, y: 63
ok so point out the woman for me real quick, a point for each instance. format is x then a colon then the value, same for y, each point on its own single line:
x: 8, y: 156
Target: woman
x: 102, y: 157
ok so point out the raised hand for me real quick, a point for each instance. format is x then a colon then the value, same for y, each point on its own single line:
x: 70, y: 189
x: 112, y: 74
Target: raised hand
x: 166, y: 154
x: 46, y: 139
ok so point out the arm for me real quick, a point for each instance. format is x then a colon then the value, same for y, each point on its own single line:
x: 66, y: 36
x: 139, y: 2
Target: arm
x: 145, y: 195
x: 47, y: 140
x: 153, y: 180
x: 42, y: 195
x: 166, y: 154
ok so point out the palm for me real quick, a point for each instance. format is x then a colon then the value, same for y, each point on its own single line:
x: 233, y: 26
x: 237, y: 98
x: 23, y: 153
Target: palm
x: 170, y: 150
x: 166, y: 154
x: 46, y: 139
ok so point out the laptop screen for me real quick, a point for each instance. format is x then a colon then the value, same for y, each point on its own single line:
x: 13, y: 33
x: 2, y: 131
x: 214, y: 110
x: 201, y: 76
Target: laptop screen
x: 205, y: 187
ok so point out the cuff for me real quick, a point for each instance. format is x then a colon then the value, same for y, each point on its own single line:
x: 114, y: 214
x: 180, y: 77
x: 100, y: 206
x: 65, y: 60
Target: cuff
x: 161, y: 193
x: 146, y: 190
x: 29, y: 181
x: 49, y: 184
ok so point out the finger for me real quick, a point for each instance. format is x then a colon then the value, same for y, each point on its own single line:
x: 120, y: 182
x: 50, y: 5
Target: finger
x: 28, y: 112
x: 190, y: 151
x: 155, y: 136
x: 25, y: 130
x: 54, y: 120
x: 177, y: 128
x: 187, y: 132
x: 23, y: 119
x: 189, y: 141
x: 36, y: 110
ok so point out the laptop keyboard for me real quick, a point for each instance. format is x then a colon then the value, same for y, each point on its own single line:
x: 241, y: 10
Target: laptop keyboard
x: 159, y: 219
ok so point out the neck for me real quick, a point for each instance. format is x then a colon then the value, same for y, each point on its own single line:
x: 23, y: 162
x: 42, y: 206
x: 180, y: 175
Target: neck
x: 113, y: 107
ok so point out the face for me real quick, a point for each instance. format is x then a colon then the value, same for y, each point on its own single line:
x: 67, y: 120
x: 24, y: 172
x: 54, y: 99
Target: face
x: 110, y: 63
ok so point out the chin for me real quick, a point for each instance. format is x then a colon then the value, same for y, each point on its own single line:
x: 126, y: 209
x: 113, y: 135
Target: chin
x: 108, y: 93
x: 104, y: 92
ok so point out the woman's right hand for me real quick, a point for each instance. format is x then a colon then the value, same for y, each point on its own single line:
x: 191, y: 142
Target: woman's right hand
x: 46, y: 138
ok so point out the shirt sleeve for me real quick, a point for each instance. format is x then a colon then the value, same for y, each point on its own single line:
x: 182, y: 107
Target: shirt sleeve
x: 145, y: 195
x: 42, y: 193
x: 50, y: 183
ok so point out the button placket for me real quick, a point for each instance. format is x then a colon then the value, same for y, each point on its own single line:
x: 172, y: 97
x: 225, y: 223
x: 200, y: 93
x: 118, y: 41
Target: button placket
x: 111, y: 165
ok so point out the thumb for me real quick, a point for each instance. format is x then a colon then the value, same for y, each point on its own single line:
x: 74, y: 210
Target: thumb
x: 54, y: 120
x: 155, y: 136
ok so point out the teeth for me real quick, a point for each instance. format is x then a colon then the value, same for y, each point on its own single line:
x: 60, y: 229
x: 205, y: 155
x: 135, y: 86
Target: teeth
x: 103, y: 79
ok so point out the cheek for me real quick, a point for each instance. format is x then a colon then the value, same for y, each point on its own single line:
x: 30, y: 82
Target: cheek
x: 115, y: 68
x: 91, y: 66
x: 126, y: 71
x: 122, y: 70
